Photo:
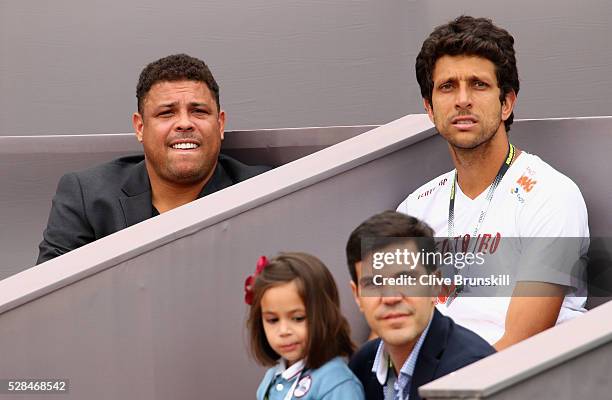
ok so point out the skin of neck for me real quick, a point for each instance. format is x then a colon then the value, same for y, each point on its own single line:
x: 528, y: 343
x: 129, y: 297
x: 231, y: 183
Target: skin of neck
x: 290, y: 363
x: 399, y: 354
x: 167, y: 195
x: 477, y: 167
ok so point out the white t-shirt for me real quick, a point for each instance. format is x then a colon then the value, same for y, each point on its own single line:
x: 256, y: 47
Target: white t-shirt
x: 533, y: 200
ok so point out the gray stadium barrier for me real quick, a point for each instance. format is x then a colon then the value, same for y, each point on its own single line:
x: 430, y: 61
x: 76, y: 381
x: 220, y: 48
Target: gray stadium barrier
x: 156, y: 311
x: 569, y: 361
x: 32, y: 165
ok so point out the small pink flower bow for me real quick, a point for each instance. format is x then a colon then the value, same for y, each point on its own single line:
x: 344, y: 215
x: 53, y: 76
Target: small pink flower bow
x: 250, y: 280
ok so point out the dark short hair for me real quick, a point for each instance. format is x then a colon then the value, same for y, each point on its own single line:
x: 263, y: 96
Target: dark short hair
x: 328, y: 331
x: 473, y: 37
x: 172, y: 68
x: 388, y: 224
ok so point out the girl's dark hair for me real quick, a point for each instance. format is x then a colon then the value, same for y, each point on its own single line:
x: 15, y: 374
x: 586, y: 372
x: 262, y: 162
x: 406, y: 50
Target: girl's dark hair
x: 328, y: 331
x: 471, y: 37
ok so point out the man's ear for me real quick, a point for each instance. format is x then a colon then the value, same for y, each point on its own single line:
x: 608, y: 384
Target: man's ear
x: 429, y: 109
x: 356, y: 297
x: 138, y: 124
x: 222, y: 124
x: 508, y: 104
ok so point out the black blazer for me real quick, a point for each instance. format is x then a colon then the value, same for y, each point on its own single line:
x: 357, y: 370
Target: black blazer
x: 447, y: 348
x: 94, y: 203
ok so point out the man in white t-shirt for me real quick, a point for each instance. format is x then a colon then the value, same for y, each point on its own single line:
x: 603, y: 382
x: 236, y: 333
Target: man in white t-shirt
x: 469, y: 82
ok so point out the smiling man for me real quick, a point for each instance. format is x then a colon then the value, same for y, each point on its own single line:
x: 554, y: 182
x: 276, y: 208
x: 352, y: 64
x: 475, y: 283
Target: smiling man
x: 417, y: 343
x: 180, y: 124
x: 469, y: 82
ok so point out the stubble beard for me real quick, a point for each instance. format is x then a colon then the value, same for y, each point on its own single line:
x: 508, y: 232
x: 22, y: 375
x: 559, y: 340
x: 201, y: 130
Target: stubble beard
x: 181, y: 176
x: 190, y: 176
x: 489, y: 127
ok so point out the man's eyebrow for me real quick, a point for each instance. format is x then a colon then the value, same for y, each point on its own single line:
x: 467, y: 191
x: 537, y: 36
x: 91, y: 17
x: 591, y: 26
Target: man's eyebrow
x: 475, y: 77
x: 167, y: 105
x: 366, y: 279
x: 405, y: 272
x: 198, y: 104
x: 471, y: 78
x: 448, y: 78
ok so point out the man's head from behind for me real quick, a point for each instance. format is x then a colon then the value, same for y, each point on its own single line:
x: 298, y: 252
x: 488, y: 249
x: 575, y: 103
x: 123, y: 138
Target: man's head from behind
x: 397, y: 315
x: 179, y: 120
x: 469, y: 37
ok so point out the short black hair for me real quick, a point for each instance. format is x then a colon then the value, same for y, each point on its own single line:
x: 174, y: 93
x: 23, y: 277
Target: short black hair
x: 175, y: 67
x: 473, y: 37
x: 388, y: 224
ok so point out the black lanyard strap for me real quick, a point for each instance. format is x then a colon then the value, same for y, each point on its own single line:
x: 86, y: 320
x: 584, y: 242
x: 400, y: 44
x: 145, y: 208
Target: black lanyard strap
x: 483, y: 213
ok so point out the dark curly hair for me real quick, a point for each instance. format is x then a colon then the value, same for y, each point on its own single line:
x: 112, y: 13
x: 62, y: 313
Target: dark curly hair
x: 475, y: 37
x: 175, y: 68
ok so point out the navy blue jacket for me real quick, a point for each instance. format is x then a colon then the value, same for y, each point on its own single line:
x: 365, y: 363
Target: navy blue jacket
x: 447, y: 348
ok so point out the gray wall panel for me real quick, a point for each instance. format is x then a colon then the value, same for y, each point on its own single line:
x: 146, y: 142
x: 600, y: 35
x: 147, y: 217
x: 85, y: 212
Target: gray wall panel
x: 70, y: 67
x: 32, y: 165
x: 563, y: 52
x: 169, y: 322
x: 569, y: 361
x: 585, y: 377
x: 156, y: 310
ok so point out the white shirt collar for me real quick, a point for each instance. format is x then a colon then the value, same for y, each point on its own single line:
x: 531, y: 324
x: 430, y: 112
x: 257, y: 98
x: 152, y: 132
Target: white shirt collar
x: 381, y: 361
x: 381, y: 364
x: 291, y: 372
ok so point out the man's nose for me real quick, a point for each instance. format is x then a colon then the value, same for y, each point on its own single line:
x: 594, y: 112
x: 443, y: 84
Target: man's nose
x: 464, y: 98
x: 391, y: 296
x: 184, y: 122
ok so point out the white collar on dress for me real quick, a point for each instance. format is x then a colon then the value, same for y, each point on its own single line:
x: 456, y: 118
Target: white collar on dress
x: 291, y: 372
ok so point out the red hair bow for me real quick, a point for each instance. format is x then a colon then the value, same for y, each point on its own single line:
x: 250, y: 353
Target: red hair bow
x: 250, y: 280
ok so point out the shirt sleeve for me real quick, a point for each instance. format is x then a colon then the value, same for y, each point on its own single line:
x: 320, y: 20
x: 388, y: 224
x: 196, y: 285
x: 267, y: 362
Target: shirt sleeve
x: 410, y: 207
x: 262, y: 389
x: 404, y: 206
x: 67, y: 227
x: 554, y: 236
x: 348, y: 389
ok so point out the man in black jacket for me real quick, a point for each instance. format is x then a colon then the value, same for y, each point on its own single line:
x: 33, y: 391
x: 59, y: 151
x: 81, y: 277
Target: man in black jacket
x: 417, y: 344
x: 181, y: 125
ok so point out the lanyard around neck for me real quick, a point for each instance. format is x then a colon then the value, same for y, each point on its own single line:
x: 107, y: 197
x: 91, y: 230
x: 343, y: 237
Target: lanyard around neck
x: 483, y: 213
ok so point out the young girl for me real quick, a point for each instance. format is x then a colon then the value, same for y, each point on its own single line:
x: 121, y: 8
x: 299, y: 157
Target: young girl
x: 295, y: 323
